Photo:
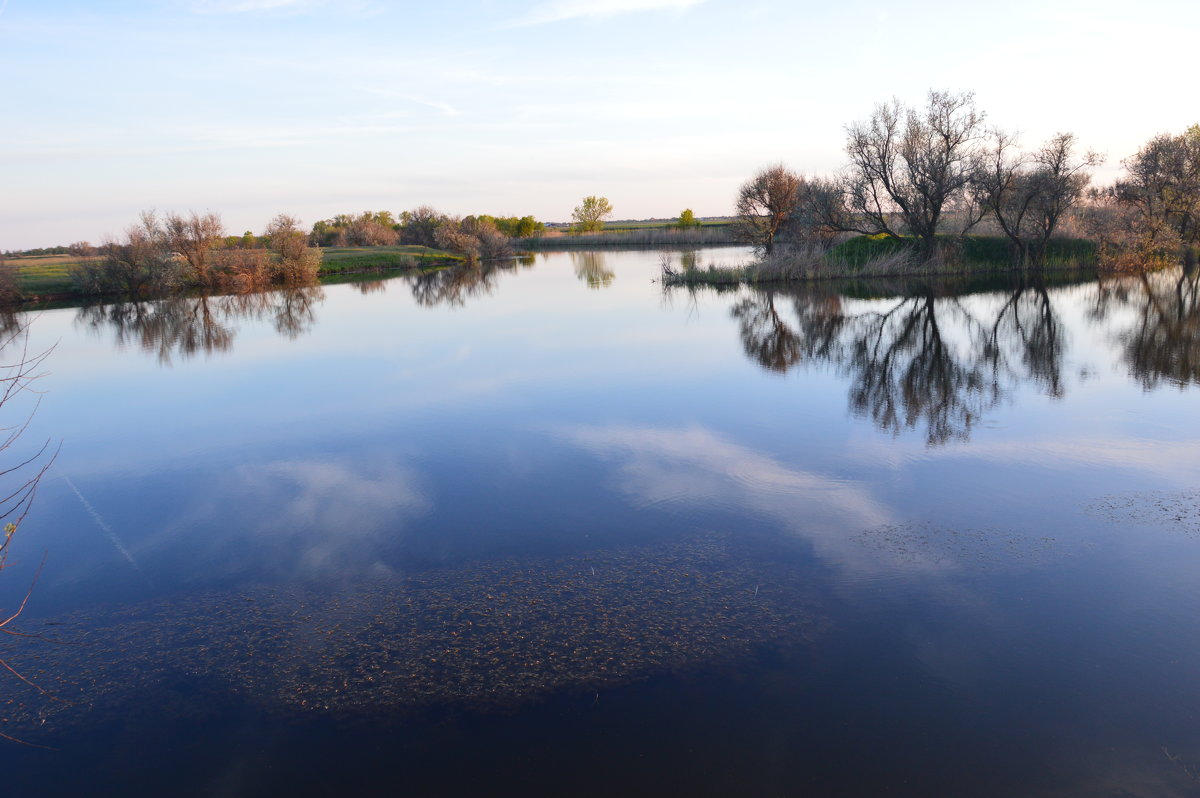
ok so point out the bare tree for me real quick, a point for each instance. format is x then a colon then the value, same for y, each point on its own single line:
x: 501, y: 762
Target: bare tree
x: 371, y: 229
x: 476, y: 238
x: 765, y: 204
x: 193, y: 236
x: 1028, y: 194
x: 141, y: 263
x: 907, y: 166
x: 24, y: 476
x: 298, y: 262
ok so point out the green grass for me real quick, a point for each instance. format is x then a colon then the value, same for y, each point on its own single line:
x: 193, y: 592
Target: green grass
x: 974, y: 250
x: 44, y: 274
x: 336, y: 260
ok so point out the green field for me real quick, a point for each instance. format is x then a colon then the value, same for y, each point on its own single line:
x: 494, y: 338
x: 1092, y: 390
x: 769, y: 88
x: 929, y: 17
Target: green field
x: 40, y: 275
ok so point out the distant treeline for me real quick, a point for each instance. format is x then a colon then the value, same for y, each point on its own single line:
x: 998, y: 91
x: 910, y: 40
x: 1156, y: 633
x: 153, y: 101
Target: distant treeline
x: 418, y: 226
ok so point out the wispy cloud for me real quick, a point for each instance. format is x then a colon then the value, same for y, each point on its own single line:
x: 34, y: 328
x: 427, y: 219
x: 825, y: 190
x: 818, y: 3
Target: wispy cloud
x: 239, y: 6
x: 445, y: 108
x: 562, y: 10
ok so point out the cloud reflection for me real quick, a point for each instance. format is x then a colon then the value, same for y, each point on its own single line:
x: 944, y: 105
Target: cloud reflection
x: 300, y: 519
x: 693, y: 466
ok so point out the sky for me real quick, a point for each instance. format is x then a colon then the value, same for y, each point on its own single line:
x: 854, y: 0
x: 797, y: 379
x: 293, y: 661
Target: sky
x: 252, y: 108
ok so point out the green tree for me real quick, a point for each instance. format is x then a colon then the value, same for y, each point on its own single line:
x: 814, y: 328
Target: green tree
x: 590, y: 215
x: 687, y: 219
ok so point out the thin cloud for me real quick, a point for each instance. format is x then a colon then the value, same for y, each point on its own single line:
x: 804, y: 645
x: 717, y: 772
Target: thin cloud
x: 240, y: 6
x: 445, y: 108
x: 562, y: 10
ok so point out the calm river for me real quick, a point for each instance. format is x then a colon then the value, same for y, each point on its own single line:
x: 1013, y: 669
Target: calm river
x: 548, y: 529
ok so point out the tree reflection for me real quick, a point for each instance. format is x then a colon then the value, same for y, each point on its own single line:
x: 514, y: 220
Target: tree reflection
x: 592, y: 268
x: 773, y: 343
x: 184, y: 326
x: 453, y: 286
x: 922, y: 361
x: 366, y: 287
x: 1029, y: 324
x: 904, y: 373
x: 1162, y: 344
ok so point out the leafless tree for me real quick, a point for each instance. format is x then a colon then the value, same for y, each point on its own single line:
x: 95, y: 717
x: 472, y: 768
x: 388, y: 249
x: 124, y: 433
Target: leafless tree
x: 765, y: 204
x: 477, y: 239
x: 907, y: 166
x: 241, y: 269
x: 371, y: 229
x: 451, y: 237
x: 298, y: 262
x: 23, y: 478
x: 194, y: 236
x: 1028, y: 194
x: 141, y: 263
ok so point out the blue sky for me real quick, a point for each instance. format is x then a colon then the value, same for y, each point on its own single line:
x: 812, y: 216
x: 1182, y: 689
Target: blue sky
x: 255, y: 107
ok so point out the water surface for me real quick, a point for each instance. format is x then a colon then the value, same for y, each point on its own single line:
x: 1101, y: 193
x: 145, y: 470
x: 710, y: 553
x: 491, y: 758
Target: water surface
x: 548, y: 528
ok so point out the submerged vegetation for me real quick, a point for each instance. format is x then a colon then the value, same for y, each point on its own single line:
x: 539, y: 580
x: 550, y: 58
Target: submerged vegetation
x: 497, y: 634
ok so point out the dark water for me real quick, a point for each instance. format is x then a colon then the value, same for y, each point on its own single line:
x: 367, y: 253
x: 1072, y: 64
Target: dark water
x: 548, y: 529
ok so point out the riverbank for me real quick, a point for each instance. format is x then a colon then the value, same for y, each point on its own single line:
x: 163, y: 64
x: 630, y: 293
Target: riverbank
x: 706, y: 235
x: 878, y: 257
x: 46, y: 279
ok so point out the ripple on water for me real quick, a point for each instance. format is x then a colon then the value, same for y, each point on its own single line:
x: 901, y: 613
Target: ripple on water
x: 934, y: 544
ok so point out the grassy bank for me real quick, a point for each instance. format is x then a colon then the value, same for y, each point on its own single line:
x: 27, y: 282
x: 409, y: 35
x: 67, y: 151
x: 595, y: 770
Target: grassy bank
x: 49, y: 276
x: 643, y: 236
x: 339, y: 260
x: 880, y: 257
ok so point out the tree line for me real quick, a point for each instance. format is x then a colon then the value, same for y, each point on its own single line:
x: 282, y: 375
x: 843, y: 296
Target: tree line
x: 419, y: 226
x: 929, y: 173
